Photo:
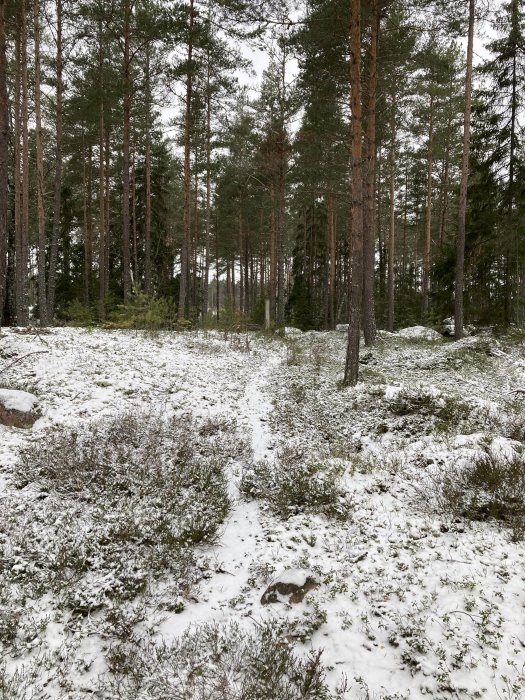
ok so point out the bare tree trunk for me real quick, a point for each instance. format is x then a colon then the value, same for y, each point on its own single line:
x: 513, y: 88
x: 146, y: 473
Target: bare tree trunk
x: 241, y: 258
x: 42, y: 288
x: 126, y: 243
x: 356, y: 272
x: 57, y: 205
x: 101, y: 185
x: 272, y: 286
x: 84, y: 223
x: 186, y: 241
x: 428, y: 215
x: 392, y: 226
x: 332, y: 251
x: 23, y: 302
x: 147, y: 165
x: 134, y: 219
x: 17, y: 182
x: 462, y: 214
x: 369, y: 321
x: 4, y: 159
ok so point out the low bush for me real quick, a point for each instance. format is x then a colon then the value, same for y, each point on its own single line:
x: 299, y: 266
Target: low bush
x: 103, y: 513
x: 294, y: 484
x: 490, y: 486
x: 143, y: 312
x: 217, y: 663
x: 446, y: 412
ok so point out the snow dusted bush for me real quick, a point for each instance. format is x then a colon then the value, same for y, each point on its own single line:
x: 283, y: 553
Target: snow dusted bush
x: 101, y: 514
x: 445, y: 411
x: 295, y: 484
x: 491, y: 485
x: 217, y: 663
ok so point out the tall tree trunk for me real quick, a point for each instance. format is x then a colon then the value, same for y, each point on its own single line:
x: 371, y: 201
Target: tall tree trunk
x: 57, y: 201
x: 332, y: 248
x: 126, y: 243
x: 392, y: 224
x: 23, y: 302
x: 88, y: 243
x: 428, y: 215
x: 19, y: 272
x: 272, y: 282
x: 369, y: 321
x: 101, y: 185
x: 147, y: 166
x: 186, y: 223
x: 356, y: 266
x: 40, y: 185
x: 462, y: 214
x: 4, y: 156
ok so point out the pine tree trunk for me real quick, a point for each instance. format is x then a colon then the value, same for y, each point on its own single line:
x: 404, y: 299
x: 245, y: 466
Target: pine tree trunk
x: 332, y: 253
x: 356, y: 266
x: 428, y: 214
x: 126, y: 242
x: 101, y: 186
x: 369, y: 321
x: 186, y: 224
x: 4, y: 159
x: 19, y: 276
x: 459, y: 320
x: 57, y: 201
x: 272, y: 285
x: 147, y: 166
x: 23, y: 301
x: 41, y: 214
x: 392, y: 226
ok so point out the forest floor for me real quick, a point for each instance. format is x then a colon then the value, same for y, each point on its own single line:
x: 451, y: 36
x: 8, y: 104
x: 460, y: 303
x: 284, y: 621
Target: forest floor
x: 172, y: 478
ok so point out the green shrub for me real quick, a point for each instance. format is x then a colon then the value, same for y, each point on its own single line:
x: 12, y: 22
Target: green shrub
x: 144, y: 312
x: 294, y: 485
x: 78, y: 314
x: 446, y: 411
x: 491, y: 486
x: 217, y: 663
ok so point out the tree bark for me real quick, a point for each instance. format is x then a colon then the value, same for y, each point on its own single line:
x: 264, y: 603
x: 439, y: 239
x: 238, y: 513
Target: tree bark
x: 57, y: 201
x: 19, y: 292
x: 23, y: 301
x: 356, y: 266
x: 126, y: 243
x: 41, y: 212
x: 147, y: 166
x: 4, y: 159
x: 101, y: 185
x: 428, y: 215
x: 186, y: 241
x: 459, y: 320
x: 369, y: 321
x: 392, y: 223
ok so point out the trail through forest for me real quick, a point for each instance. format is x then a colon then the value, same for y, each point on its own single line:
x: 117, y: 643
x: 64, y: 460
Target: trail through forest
x: 173, y: 481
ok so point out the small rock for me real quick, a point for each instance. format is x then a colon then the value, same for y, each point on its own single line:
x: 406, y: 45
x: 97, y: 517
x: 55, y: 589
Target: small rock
x: 290, y: 587
x: 18, y: 409
x: 342, y: 328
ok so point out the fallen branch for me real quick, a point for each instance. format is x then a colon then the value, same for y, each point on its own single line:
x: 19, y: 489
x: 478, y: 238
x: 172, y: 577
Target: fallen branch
x: 23, y: 357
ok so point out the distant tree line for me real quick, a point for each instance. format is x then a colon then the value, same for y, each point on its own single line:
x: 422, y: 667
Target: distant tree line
x: 375, y: 175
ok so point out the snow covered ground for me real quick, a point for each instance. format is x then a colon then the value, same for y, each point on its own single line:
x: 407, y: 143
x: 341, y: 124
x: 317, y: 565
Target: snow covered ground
x: 415, y: 598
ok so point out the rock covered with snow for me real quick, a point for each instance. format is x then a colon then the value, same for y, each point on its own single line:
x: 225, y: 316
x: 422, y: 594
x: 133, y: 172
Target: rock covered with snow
x: 449, y: 328
x: 18, y: 409
x: 342, y: 328
x: 290, y: 331
x: 419, y: 332
x: 290, y: 587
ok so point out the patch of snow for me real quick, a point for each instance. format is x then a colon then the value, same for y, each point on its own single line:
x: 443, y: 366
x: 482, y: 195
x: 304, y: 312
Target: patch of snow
x: 13, y: 400
x: 415, y: 332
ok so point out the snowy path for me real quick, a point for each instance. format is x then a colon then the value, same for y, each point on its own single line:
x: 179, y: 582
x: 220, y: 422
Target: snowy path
x: 410, y: 601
